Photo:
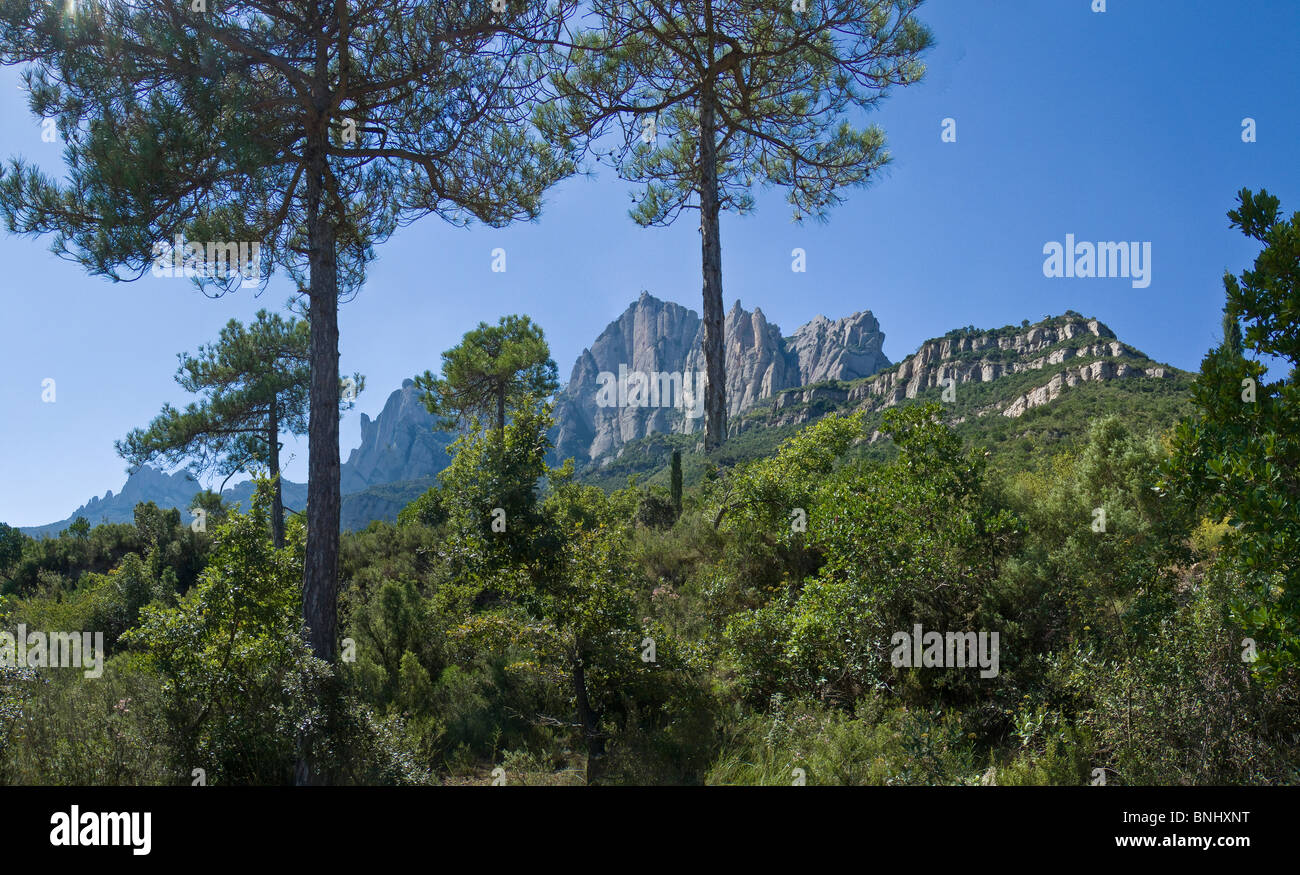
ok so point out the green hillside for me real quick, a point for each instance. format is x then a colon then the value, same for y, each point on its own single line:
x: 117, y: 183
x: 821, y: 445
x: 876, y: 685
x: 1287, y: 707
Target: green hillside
x: 1015, y: 442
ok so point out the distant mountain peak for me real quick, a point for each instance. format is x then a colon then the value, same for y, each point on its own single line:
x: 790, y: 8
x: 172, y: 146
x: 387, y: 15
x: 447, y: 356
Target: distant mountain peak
x: 1046, y: 358
x: 661, y: 337
x: 399, y: 445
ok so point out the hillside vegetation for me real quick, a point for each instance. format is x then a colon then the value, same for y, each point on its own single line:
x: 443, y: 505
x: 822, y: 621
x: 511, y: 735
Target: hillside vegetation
x: 726, y: 643
x: 1078, y: 567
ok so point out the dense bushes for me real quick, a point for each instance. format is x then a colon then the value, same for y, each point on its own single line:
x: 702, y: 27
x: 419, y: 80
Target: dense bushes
x: 871, y: 745
x: 174, y: 553
x: 601, y: 637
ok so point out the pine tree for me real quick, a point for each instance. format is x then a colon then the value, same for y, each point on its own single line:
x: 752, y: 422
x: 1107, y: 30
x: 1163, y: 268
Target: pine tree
x: 1231, y: 331
x: 704, y: 100
x: 494, y: 369
x: 253, y: 386
x: 677, y: 481
x: 314, y: 128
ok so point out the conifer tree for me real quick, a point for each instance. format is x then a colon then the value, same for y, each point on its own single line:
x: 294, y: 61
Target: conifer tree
x: 677, y: 481
x: 705, y: 99
x: 253, y: 386
x: 494, y: 369
x: 314, y: 128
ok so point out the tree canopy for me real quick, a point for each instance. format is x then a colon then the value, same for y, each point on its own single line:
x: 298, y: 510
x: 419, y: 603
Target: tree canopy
x: 701, y: 101
x: 1239, y: 456
x: 252, y: 384
x: 312, y: 128
x: 494, y: 370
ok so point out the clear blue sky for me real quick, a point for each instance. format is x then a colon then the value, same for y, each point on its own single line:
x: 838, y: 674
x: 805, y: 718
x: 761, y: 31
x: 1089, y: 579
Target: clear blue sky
x: 1124, y: 125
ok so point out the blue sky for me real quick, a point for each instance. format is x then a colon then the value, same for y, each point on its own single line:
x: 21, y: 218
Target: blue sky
x: 1122, y: 125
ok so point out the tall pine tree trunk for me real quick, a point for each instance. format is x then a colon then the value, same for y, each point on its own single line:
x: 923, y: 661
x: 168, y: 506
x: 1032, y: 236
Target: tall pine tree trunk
x: 320, y: 578
x: 320, y: 572
x: 277, y: 496
x: 715, y: 401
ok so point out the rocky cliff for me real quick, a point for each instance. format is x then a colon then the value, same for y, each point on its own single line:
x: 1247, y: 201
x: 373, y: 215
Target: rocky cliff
x: 660, y: 344
x: 399, y: 449
x: 1066, y: 350
x: 399, y: 444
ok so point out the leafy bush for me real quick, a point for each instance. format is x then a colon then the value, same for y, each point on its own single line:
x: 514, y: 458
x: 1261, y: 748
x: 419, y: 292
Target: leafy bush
x: 239, y: 682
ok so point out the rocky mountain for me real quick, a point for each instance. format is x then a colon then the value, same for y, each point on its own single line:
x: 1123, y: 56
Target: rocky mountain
x: 644, y: 373
x: 399, y: 444
x: 1019, y: 391
x: 399, y: 455
x: 146, y: 484
x: 1046, y: 358
x: 638, y: 389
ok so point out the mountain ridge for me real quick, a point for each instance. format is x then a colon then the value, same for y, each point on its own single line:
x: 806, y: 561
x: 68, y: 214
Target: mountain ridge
x: 398, y: 448
x: 839, y: 364
x: 1046, y: 381
x: 656, y: 337
x: 985, y: 356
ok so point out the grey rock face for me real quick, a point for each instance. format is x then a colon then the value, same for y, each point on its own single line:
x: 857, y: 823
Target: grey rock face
x: 399, y: 444
x: 756, y: 360
x: 655, y: 338
x: 981, y: 358
x: 828, y: 350
x: 651, y: 336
